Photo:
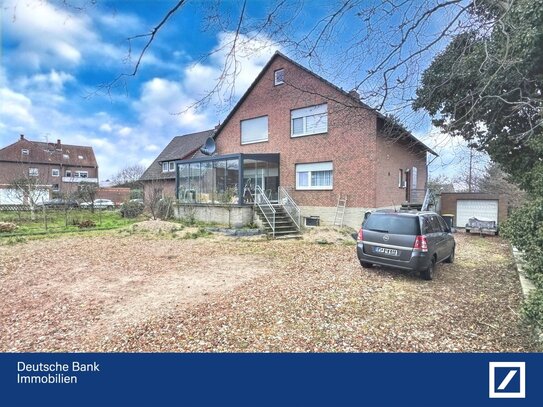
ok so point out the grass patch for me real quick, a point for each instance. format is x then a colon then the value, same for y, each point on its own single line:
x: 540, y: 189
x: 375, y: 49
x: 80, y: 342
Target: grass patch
x: 60, y: 221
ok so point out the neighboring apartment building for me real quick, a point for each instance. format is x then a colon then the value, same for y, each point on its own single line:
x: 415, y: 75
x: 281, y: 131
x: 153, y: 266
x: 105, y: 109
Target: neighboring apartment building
x: 159, y: 178
x: 294, y: 129
x: 55, y: 169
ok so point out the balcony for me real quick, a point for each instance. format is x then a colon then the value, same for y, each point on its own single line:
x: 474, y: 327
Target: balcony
x: 79, y: 179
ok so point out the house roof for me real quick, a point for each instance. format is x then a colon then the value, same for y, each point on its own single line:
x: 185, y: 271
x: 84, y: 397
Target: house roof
x: 49, y: 153
x: 356, y: 100
x: 180, y: 147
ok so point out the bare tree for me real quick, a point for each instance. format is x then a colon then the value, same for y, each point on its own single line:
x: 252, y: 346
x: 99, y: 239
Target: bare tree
x: 29, y: 191
x: 129, y: 175
x: 87, y: 192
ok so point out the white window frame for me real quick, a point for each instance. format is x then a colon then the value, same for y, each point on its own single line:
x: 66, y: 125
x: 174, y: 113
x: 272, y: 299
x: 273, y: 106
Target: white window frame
x: 55, y: 172
x: 279, y: 79
x: 400, y: 178
x: 171, y: 166
x: 68, y: 173
x: 165, y: 166
x: 82, y: 174
x: 309, y: 168
x: 25, y: 151
x: 55, y: 187
x: 33, y: 172
x: 245, y: 124
x: 66, y: 156
x: 304, y: 113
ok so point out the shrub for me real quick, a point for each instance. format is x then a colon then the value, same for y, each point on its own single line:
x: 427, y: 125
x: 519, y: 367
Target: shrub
x: 131, y: 209
x: 86, y: 224
x: 165, y: 208
x: 6, y: 227
x: 524, y: 229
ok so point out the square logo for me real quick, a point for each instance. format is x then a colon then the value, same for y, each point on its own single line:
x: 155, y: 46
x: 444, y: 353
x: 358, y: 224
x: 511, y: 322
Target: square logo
x: 507, y: 380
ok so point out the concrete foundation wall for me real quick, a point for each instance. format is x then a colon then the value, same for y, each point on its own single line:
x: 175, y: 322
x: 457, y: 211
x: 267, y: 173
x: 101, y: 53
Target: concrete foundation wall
x: 233, y: 216
x: 353, y: 216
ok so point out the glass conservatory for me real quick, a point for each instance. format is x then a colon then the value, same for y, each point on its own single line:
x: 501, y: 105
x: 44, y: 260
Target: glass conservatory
x: 228, y: 179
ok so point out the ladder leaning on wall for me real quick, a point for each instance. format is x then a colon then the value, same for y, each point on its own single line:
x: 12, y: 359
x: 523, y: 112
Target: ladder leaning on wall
x: 340, y: 210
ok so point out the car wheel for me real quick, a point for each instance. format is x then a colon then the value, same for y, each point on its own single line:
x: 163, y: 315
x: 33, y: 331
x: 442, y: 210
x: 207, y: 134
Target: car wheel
x: 428, y: 274
x: 450, y: 259
x: 366, y: 265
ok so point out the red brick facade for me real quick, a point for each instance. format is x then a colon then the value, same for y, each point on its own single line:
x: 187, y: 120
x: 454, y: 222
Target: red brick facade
x: 54, y: 165
x: 365, y: 165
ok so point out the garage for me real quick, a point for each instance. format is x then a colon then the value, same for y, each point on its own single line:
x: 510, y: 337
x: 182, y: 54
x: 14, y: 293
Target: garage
x: 483, y: 209
x: 465, y: 205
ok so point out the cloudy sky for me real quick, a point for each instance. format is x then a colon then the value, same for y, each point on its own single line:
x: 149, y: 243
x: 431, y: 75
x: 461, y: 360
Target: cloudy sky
x: 56, y: 59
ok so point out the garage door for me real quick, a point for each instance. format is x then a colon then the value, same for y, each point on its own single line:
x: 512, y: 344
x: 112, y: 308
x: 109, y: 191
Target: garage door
x: 485, y: 209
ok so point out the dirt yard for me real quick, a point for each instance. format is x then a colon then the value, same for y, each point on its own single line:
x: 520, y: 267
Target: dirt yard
x: 160, y: 292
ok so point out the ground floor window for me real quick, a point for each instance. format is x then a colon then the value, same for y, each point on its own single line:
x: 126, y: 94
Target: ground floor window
x: 315, y: 176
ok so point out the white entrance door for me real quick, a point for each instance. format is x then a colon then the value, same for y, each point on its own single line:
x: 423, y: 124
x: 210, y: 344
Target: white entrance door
x: 483, y: 209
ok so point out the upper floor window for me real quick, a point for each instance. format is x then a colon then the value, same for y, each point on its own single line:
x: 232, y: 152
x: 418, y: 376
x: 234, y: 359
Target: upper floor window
x: 65, y: 156
x: 82, y: 174
x: 309, y: 120
x: 314, y: 176
x: 68, y: 173
x: 55, y: 172
x: 33, y: 172
x: 168, y: 166
x: 279, y: 77
x: 25, y: 151
x: 254, y: 130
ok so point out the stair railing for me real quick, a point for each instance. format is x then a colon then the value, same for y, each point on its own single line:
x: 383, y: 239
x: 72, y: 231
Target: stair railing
x: 266, y: 208
x: 286, y: 201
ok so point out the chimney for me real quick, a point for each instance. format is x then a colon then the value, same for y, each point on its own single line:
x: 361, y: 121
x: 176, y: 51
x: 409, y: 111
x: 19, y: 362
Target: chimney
x: 354, y: 94
x: 59, y: 145
x: 22, y: 136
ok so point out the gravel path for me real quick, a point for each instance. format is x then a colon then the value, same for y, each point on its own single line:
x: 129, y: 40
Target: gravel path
x: 159, y: 293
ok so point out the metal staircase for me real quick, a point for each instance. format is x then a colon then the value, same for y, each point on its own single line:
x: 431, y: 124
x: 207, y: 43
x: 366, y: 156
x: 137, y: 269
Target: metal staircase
x: 281, y: 220
x: 284, y: 227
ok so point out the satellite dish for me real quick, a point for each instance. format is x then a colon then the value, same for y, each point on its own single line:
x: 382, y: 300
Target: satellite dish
x: 209, y: 147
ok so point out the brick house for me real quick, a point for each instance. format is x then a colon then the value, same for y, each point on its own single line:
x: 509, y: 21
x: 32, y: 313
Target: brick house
x: 294, y: 129
x: 55, y: 169
x: 159, y: 177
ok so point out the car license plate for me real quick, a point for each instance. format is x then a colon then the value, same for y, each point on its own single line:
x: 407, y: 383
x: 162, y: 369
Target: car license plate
x: 386, y: 251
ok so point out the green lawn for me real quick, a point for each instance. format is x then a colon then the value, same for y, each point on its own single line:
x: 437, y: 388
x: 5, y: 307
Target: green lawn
x: 59, y: 221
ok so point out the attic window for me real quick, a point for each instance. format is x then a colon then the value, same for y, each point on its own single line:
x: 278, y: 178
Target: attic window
x: 80, y: 157
x: 25, y: 151
x: 172, y: 166
x: 279, y: 77
x: 66, y: 156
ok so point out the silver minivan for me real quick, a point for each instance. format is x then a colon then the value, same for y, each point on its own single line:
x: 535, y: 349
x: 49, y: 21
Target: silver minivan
x: 407, y: 240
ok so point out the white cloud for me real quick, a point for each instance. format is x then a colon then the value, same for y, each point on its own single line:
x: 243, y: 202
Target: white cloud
x: 45, y: 34
x: 106, y: 128
x: 15, y: 110
x: 151, y: 148
x: 124, y: 131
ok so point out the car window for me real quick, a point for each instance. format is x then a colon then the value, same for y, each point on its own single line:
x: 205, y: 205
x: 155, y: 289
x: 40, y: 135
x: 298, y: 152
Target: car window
x: 436, y: 226
x: 443, y: 224
x: 392, y: 223
x: 426, y: 225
